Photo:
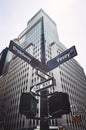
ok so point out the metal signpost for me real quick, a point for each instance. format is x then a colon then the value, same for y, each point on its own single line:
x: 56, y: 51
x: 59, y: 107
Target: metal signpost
x: 43, y: 100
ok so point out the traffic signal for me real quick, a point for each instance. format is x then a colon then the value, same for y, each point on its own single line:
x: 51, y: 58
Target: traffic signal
x: 28, y: 105
x: 76, y: 118
x: 60, y: 127
x: 79, y: 118
x: 5, y: 58
x: 3, y: 55
x: 59, y: 104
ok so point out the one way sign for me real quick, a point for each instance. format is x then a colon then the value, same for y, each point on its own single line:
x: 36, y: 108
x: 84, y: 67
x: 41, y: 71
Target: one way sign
x: 43, y: 85
x: 61, y: 58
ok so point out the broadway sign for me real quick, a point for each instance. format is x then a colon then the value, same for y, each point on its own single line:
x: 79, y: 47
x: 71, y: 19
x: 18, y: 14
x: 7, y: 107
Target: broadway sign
x: 24, y: 55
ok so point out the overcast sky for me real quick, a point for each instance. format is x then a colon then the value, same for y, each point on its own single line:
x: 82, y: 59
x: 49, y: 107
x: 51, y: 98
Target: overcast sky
x: 69, y: 15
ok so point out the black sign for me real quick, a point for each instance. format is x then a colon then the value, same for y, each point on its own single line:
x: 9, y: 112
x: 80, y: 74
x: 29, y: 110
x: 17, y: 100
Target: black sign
x: 20, y: 52
x: 61, y: 58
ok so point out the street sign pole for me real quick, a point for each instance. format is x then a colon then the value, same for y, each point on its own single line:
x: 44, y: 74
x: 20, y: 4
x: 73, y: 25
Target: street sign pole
x: 43, y: 100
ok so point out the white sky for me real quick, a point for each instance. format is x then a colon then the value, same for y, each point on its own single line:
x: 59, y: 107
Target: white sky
x: 69, y: 15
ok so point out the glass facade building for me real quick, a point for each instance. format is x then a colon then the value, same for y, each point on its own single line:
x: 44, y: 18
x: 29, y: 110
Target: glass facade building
x: 21, y: 76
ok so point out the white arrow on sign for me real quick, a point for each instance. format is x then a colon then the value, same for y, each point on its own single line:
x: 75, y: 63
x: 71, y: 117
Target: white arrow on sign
x: 43, y: 85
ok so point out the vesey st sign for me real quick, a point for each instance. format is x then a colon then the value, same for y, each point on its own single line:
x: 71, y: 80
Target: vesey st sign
x: 61, y: 58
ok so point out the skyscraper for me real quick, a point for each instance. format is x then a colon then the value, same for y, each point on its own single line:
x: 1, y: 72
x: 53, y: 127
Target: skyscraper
x: 21, y: 76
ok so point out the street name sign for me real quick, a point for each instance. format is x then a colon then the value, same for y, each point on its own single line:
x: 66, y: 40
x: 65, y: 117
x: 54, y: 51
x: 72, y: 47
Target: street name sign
x: 43, y: 85
x: 61, y: 58
x: 42, y: 74
x: 20, y: 52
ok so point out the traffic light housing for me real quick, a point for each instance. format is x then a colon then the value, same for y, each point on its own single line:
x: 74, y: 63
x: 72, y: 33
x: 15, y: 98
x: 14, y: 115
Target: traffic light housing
x: 28, y: 105
x: 60, y: 127
x: 76, y: 118
x: 3, y: 55
x: 5, y: 58
x: 59, y: 104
